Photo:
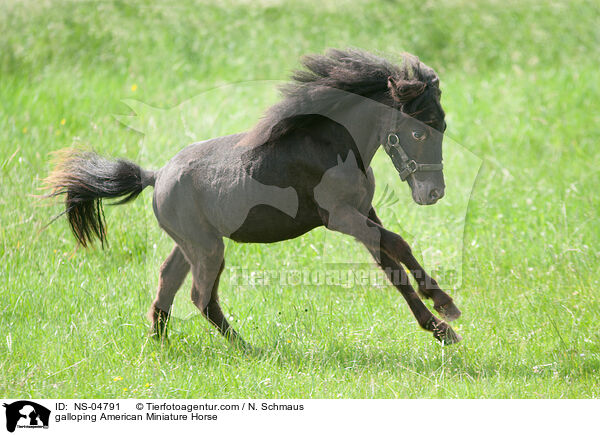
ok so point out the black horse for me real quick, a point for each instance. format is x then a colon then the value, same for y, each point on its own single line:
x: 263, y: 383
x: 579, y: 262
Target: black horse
x: 306, y: 164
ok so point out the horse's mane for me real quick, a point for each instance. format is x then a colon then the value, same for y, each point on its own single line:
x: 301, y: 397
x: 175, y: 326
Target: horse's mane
x: 351, y: 70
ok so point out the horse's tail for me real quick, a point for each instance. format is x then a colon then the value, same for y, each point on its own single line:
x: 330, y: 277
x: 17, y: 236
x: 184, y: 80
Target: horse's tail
x: 85, y: 179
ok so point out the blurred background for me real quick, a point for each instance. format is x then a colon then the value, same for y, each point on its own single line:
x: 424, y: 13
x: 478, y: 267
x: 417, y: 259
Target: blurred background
x: 521, y: 86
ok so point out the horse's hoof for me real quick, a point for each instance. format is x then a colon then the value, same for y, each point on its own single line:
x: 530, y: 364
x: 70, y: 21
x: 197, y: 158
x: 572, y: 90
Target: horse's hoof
x: 160, y: 321
x: 240, y: 345
x: 445, y: 334
x: 250, y: 351
x: 157, y: 337
x: 448, y: 311
x: 158, y: 332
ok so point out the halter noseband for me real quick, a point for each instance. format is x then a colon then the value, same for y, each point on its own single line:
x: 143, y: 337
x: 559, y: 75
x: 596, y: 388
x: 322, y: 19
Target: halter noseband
x: 404, y: 164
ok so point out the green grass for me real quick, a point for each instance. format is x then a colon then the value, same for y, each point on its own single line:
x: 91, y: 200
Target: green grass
x: 521, y: 88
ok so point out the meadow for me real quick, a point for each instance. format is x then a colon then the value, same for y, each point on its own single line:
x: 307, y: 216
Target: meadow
x: 521, y: 89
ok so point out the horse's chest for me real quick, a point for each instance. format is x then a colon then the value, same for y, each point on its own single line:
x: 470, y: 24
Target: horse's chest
x: 345, y: 185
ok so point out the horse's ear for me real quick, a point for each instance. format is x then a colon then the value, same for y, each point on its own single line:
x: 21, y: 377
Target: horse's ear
x: 404, y: 91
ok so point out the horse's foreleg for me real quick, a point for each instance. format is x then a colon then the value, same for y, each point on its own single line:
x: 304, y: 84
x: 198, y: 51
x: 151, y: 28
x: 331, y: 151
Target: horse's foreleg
x: 207, y: 264
x: 399, y: 250
x: 440, y: 329
x: 350, y: 221
x: 172, y: 273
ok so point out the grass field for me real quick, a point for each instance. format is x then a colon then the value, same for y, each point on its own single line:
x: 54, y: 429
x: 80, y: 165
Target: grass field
x: 521, y: 85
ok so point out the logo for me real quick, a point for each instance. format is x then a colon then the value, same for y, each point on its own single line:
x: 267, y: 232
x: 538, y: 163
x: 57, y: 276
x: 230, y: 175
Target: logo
x: 26, y: 414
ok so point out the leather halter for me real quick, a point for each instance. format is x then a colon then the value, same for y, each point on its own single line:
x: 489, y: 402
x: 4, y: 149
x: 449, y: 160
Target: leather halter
x: 404, y: 164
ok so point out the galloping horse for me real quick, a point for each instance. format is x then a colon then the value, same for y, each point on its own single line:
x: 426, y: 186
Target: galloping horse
x: 305, y: 164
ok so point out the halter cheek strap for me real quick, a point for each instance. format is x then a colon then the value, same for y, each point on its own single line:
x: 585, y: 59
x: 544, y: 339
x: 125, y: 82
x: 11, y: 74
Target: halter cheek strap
x: 404, y: 164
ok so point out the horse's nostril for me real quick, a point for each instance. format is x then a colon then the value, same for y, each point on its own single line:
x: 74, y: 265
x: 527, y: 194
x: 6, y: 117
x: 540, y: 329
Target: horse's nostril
x: 434, y: 194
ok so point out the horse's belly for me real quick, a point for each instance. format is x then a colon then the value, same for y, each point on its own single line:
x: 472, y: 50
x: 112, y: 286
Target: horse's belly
x: 266, y: 224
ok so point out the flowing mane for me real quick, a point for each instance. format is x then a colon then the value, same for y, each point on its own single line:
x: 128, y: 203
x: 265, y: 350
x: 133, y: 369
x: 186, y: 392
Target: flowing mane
x: 350, y: 70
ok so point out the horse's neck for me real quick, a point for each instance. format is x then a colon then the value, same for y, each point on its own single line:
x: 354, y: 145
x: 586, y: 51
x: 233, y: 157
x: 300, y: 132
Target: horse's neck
x: 363, y: 124
x: 362, y: 117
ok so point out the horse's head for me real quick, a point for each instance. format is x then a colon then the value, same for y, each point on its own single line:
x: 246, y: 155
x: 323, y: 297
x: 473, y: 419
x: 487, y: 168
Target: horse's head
x: 408, y: 120
x: 415, y: 145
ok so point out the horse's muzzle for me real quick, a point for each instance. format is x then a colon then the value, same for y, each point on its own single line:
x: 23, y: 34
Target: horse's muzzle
x: 433, y: 196
x: 426, y: 192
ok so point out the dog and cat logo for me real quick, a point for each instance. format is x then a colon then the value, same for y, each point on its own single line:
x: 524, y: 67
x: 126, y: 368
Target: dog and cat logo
x: 24, y: 414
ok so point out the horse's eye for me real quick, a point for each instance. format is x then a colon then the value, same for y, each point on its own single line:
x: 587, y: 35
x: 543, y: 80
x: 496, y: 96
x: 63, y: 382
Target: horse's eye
x: 419, y: 134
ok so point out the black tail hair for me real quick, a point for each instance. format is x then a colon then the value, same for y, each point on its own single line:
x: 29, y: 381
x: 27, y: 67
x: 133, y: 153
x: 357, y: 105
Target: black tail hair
x: 86, y: 178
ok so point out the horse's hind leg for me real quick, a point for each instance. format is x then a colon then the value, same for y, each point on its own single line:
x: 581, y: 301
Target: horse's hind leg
x: 207, y: 262
x: 172, y: 273
x: 215, y: 315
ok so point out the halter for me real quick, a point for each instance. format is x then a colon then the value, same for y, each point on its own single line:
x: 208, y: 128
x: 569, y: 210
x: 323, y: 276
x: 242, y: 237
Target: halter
x: 404, y: 164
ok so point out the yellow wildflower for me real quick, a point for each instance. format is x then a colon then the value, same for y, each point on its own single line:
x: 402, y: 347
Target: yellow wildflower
x: 133, y: 87
x: 63, y: 121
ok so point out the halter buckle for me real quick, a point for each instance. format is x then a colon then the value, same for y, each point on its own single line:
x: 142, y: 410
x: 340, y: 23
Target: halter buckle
x: 412, y: 166
x: 407, y: 168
